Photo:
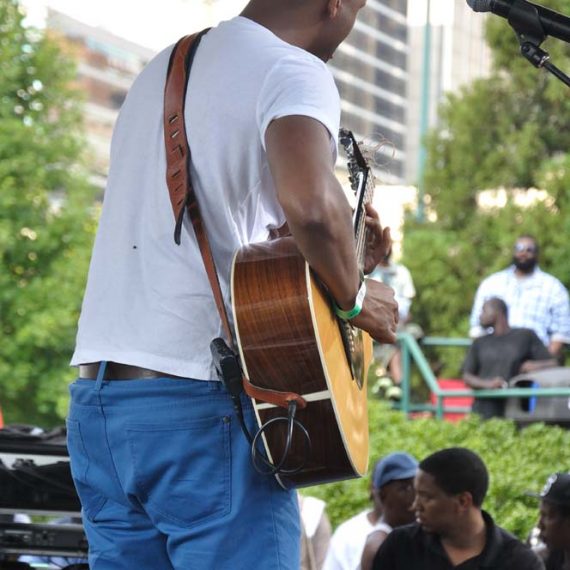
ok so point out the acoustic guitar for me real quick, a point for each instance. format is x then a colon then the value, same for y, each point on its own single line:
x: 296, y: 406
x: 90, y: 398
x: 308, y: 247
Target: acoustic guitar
x: 290, y: 339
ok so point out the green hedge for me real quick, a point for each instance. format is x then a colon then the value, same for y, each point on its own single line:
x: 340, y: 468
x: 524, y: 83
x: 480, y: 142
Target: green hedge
x: 518, y: 461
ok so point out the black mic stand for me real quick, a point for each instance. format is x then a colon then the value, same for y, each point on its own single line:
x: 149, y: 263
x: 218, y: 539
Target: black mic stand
x: 525, y: 21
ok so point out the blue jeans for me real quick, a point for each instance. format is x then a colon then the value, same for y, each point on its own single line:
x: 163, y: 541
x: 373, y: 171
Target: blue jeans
x: 166, y: 482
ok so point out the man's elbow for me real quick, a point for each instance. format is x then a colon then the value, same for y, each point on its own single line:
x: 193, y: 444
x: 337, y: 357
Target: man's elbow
x: 468, y: 379
x: 315, y: 212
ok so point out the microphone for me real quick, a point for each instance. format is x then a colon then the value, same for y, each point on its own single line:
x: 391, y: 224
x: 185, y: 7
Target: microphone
x: 553, y: 23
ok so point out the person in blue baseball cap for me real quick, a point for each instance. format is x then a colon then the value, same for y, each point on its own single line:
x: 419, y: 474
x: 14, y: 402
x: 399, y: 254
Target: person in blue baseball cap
x: 393, y: 491
x: 392, y: 495
x: 452, y: 530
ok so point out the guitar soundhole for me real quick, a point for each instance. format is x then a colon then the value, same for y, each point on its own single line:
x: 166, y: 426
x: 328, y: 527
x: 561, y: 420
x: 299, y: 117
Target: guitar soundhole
x: 354, y: 351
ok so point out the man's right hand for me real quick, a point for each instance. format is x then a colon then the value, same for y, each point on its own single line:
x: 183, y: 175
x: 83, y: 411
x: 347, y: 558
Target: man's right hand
x: 379, y: 315
x: 497, y: 383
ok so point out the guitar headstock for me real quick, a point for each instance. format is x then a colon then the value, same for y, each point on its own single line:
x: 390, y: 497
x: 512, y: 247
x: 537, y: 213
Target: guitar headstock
x: 357, y: 164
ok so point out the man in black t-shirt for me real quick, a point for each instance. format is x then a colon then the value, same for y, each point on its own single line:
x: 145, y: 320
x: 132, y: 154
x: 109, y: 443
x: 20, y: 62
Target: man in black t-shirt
x: 452, y: 532
x: 494, y: 359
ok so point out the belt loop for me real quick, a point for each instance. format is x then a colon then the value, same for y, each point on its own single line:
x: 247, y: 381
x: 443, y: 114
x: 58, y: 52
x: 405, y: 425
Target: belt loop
x: 100, y: 375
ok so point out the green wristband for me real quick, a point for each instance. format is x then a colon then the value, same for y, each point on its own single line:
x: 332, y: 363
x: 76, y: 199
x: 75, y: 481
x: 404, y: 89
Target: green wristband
x: 356, y: 310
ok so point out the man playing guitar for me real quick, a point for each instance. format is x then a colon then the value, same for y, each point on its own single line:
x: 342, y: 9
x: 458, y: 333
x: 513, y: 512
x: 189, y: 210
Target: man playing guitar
x: 160, y: 464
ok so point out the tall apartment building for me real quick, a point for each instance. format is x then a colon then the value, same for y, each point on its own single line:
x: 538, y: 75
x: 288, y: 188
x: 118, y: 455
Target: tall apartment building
x: 106, y: 68
x: 108, y: 63
x: 458, y: 55
x: 370, y: 68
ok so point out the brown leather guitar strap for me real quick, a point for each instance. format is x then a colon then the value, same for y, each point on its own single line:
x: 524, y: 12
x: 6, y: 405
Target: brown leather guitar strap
x: 183, y: 198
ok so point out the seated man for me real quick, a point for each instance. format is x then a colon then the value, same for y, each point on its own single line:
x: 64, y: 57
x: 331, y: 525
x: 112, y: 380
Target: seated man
x: 536, y: 299
x: 494, y: 359
x: 392, y: 477
x: 554, y: 522
x: 451, y: 529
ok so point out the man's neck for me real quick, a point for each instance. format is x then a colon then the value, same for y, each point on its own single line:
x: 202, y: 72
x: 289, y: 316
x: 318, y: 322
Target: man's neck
x: 466, y: 540
x: 520, y: 274
x: 286, y: 29
x: 373, y: 516
x: 501, y: 327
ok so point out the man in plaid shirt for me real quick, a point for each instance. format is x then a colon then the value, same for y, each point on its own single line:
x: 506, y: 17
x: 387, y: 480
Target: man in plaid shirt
x: 535, y: 299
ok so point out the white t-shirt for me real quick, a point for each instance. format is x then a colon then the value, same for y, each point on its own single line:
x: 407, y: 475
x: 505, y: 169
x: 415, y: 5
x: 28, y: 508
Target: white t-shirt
x: 348, y: 541
x: 148, y: 301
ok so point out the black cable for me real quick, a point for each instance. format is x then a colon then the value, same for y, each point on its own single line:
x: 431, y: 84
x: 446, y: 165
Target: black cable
x: 278, y: 469
x: 239, y: 413
x: 261, y: 462
x: 229, y: 371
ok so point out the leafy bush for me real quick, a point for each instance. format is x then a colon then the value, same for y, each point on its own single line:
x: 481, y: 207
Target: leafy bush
x: 518, y: 461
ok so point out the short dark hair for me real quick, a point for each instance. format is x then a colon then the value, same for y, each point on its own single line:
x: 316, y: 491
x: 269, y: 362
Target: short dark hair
x: 499, y: 305
x: 457, y: 470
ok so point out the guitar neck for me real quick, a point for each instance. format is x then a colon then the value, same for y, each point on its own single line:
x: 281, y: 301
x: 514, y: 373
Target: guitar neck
x: 365, y: 195
x: 362, y: 183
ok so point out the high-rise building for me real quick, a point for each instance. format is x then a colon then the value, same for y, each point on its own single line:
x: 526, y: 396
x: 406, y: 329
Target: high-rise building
x: 458, y: 54
x: 370, y: 69
x: 107, y: 63
x: 106, y: 67
x: 378, y: 69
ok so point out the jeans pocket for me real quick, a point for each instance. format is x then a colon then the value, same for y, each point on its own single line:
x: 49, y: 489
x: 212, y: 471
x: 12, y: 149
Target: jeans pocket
x: 182, y: 471
x: 77, y: 453
x: 91, y: 500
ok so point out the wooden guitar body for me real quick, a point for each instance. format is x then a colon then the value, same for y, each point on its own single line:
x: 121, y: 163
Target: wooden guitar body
x: 290, y: 340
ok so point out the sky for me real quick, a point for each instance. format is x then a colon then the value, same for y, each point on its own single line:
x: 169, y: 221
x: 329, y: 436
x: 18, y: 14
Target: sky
x: 157, y: 23
x: 152, y: 23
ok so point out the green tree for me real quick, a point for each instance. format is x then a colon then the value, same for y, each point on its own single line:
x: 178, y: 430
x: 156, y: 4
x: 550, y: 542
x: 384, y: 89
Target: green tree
x: 510, y: 130
x: 46, y: 226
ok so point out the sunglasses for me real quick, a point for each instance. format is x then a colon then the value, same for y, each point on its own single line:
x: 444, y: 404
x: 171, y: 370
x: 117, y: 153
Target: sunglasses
x: 523, y: 247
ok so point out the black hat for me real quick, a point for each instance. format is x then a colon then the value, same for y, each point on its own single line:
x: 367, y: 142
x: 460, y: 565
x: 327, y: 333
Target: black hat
x: 557, y: 489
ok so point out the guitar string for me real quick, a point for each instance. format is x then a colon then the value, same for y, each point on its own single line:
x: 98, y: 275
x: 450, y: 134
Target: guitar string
x: 361, y: 229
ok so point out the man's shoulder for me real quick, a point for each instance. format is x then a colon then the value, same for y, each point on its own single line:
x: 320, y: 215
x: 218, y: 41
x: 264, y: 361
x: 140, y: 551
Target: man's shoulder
x: 270, y: 50
x: 522, y: 332
x: 548, y: 278
x: 405, y: 534
x: 355, y: 523
x: 497, y: 276
x: 402, y: 548
x: 486, y: 341
x: 401, y: 269
x: 515, y: 554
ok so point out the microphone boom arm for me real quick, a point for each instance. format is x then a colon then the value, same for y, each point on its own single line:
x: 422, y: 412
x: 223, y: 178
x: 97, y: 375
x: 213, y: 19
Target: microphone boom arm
x: 525, y: 21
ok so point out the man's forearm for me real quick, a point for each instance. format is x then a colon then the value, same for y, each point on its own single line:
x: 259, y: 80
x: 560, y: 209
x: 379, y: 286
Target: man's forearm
x: 317, y: 211
x: 320, y: 220
x: 326, y: 240
x: 532, y: 365
x: 555, y: 348
x: 474, y: 381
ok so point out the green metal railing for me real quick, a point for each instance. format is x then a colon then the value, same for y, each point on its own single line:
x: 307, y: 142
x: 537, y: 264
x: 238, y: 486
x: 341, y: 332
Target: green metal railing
x: 412, y: 353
